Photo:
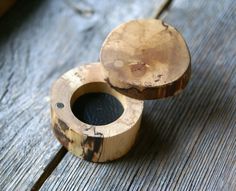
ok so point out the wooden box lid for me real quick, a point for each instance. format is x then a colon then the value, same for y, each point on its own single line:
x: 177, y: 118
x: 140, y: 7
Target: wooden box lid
x: 146, y: 59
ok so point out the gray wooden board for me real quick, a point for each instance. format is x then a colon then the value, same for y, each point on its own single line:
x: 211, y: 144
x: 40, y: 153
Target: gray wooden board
x: 187, y: 142
x: 39, y: 41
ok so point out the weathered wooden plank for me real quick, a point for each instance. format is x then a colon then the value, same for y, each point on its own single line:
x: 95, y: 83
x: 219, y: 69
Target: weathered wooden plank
x: 188, y: 143
x: 38, y: 42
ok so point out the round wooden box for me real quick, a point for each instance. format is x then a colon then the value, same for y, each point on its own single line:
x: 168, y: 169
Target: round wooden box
x: 139, y: 60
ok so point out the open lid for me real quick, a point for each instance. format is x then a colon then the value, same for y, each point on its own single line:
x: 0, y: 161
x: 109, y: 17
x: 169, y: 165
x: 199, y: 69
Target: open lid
x: 146, y: 59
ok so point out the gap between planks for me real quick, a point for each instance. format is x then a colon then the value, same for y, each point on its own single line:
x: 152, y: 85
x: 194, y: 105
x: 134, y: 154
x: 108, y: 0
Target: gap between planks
x: 50, y: 168
x: 62, y: 151
x: 164, y: 8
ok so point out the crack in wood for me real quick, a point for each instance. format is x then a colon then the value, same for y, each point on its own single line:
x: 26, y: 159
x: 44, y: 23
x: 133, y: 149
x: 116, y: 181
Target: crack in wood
x: 49, y: 168
x: 7, y: 86
x: 165, y: 7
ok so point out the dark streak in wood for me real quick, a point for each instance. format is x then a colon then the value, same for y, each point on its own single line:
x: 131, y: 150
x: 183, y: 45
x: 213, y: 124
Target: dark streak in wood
x: 57, y: 129
x: 162, y: 91
x: 92, y: 147
x: 63, y: 125
x: 165, y: 25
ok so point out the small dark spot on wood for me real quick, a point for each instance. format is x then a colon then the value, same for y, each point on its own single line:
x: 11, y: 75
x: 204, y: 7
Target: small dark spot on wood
x: 60, y: 105
x: 138, y: 67
x: 170, y: 32
x: 63, y: 125
x: 107, y: 80
x: 86, y: 129
x: 158, y: 77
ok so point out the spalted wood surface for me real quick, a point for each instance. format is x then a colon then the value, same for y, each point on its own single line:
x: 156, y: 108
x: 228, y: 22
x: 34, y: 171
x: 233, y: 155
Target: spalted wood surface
x: 96, y: 143
x: 187, y: 142
x: 146, y: 59
x: 40, y: 40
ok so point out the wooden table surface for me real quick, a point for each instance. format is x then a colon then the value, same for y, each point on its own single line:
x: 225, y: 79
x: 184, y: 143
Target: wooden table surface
x: 186, y: 143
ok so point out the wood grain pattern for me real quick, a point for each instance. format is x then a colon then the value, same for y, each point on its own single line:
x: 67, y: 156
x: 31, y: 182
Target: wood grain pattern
x: 187, y: 142
x: 146, y: 59
x: 39, y: 41
x: 96, y: 143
